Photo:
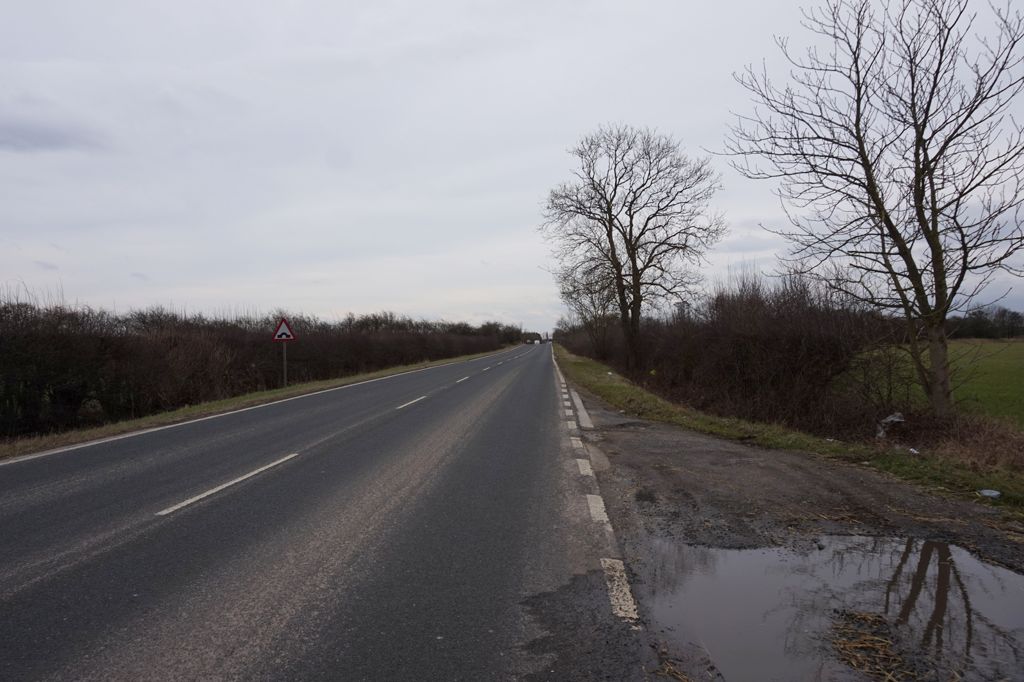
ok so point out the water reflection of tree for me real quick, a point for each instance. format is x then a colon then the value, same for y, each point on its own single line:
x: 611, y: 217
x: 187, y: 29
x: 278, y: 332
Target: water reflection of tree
x: 934, y: 596
x: 948, y: 630
x: 673, y: 562
x: 925, y: 596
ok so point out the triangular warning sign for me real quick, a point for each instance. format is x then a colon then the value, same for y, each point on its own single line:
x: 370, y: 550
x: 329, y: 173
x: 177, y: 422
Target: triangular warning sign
x: 284, y: 331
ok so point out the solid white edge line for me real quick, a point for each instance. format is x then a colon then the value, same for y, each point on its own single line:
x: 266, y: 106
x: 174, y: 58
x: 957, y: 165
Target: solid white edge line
x: 142, y: 432
x: 211, y: 491
x: 422, y: 397
x: 597, y: 510
x: 461, y: 380
x: 585, y: 468
x: 619, y: 594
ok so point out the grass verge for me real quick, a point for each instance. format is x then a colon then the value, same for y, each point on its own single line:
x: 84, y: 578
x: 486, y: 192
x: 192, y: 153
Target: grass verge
x: 24, y: 446
x: 943, y: 473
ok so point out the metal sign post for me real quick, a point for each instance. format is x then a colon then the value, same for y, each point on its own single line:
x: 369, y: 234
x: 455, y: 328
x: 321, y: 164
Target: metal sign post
x: 284, y: 334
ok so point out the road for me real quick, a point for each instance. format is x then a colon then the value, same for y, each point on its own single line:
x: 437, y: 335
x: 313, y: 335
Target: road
x: 431, y: 525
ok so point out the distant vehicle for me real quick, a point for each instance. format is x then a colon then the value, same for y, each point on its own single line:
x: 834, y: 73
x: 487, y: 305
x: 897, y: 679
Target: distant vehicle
x: 532, y: 337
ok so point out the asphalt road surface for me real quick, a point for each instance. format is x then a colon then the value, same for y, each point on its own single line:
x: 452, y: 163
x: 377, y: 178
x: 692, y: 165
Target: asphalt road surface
x: 437, y: 525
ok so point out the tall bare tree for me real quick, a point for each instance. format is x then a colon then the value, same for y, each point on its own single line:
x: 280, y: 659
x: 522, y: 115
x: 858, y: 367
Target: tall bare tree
x: 590, y: 297
x: 900, y: 162
x: 633, y: 222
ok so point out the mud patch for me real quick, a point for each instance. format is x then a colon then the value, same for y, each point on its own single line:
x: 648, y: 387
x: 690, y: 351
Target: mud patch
x: 584, y: 641
x: 778, y: 614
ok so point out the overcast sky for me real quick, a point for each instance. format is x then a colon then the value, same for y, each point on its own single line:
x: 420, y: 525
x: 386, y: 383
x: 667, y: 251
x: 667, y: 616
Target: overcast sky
x: 328, y: 157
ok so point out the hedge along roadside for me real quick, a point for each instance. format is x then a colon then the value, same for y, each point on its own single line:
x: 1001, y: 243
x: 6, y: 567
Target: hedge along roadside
x: 16, y: 447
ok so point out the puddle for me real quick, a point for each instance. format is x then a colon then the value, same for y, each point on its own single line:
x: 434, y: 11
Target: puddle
x: 769, y: 614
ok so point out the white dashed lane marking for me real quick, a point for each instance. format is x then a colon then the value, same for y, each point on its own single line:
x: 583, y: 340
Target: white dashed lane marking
x: 211, y: 491
x: 597, y: 510
x: 619, y: 594
x: 411, y: 402
x: 585, y: 420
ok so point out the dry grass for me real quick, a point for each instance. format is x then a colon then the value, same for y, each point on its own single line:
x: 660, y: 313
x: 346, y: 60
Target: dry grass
x: 666, y: 669
x: 984, y: 442
x: 864, y: 642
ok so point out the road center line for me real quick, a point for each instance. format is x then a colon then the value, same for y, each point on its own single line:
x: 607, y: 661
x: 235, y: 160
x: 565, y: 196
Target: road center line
x: 485, y: 369
x: 211, y: 491
x: 461, y: 380
x: 141, y: 432
x: 422, y: 397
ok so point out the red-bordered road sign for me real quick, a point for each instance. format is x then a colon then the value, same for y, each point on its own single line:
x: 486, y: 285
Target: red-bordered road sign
x: 284, y: 331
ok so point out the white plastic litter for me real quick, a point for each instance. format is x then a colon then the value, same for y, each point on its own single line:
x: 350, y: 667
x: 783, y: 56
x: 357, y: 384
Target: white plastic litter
x: 883, y: 426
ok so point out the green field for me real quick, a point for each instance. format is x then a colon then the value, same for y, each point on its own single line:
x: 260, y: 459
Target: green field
x: 990, y: 377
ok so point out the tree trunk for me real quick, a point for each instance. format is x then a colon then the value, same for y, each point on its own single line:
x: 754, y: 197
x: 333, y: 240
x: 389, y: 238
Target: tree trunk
x: 632, y: 340
x: 941, y: 392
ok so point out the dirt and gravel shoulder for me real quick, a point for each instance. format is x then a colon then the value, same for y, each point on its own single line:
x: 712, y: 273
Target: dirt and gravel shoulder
x: 720, y: 493
x: 667, y: 487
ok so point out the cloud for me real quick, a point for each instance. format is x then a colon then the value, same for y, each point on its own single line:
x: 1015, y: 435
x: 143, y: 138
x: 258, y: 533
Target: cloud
x: 45, y: 265
x: 750, y: 242
x: 26, y: 137
x: 340, y: 156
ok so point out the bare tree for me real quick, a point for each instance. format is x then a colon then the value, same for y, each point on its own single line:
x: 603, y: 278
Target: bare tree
x: 631, y: 222
x: 590, y: 297
x: 900, y: 163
